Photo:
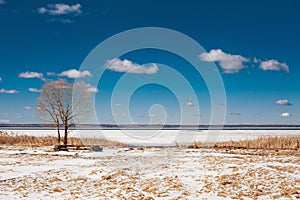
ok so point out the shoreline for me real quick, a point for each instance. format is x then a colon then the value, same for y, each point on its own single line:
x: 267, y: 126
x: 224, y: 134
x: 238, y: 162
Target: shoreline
x: 259, y: 143
x: 162, y: 137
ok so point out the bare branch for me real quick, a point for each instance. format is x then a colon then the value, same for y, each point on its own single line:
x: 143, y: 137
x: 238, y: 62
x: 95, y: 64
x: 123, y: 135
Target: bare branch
x: 58, y: 103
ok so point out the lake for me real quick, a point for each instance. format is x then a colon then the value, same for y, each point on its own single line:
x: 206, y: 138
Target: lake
x: 161, y: 137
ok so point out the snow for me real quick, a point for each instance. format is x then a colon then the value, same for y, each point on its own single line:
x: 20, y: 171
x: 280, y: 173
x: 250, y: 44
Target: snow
x: 163, y: 137
x: 160, y: 173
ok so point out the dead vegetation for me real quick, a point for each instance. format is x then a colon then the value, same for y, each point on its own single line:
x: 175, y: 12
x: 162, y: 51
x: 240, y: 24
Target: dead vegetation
x: 25, y: 140
x: 261, y: 143
x: 266, y: 143
x: 172, y: 173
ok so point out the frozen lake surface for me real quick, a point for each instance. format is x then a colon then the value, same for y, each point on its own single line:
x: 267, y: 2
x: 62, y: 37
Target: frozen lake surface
x: 163, y: 137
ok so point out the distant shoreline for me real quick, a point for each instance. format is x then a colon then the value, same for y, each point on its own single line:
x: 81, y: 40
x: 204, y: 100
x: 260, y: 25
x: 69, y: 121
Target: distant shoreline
x: 149, y: 127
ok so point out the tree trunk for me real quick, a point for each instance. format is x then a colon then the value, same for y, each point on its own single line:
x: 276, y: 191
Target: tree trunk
x: 58, y: 135
x: 66, y: 136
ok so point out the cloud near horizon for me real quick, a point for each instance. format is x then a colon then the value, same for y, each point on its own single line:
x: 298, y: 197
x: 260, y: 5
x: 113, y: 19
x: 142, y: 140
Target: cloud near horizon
x: 74, y: 73
x: 27, y: 108
x: 4, y: 91
x: 4, y: 121
x: 2, y: 2
x: 283, y: 102
x: 235, y: 113
x: 60, y: 9
x: 229, y: 63
x: 285, y: 114
x: 28, y: 74
x: 189, y: 102
x: 128, y: 66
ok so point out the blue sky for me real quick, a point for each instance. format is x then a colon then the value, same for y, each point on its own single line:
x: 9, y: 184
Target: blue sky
x: 254, y: 44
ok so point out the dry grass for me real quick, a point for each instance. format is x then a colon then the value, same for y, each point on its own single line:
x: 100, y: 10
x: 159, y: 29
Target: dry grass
x: 25, y: 140
x: 268, y: 143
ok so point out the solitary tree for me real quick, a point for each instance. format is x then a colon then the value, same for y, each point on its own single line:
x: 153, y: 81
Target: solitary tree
x: 62, y: 102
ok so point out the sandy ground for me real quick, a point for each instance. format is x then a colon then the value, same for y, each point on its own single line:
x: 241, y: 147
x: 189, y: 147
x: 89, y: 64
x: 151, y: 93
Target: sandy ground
x: 153, y: 173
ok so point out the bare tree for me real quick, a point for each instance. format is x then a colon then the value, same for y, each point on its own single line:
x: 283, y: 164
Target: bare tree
x: 59, y: 103
x: 47, y: 106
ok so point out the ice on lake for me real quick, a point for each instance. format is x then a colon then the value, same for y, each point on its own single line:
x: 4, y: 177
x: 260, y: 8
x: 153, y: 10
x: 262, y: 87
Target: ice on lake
x: 163, y: 137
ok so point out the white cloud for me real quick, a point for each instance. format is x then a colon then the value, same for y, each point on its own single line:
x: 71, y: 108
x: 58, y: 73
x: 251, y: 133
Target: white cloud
x: 4, y: 91
x: 4, y: 121
x: 229, y: 63
x: 0, y: 79
x: 92, y: 89
x: 73, y: 73
x: 64, y: 21
x: 118, y: 65
x: 27, y: 108
x: 283, y: 102
x: 235, y: 113
x: 50, y: 74
x: 42, y: 10
x: 33, y: 90
x: 234, y: 63
x: 151, y: 115
x: 285, y: 114
x: 189, y: 103
x: 2, y: 2
x: 60, y: 9
x: 255, y: 60
x: 89, y: 87
x: 273, y: 65
x: 31, y: 75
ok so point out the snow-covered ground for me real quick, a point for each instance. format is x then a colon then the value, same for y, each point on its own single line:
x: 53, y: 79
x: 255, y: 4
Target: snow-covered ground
x: 149, y: 173
x: 164, y: 137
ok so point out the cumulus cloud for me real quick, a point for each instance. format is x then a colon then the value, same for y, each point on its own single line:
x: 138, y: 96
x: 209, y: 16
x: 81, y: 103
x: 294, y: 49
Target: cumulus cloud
x: 285, y: 114
x: 273, y: 65
x: 2, y: 2
x: 283, y: 102
x: 27, y: 108
x: 4, y: 91
x: 229, y: 63
x: 234, y: 63
x: 92, y: 89
x: 73, y: 73
x: 60, y: 9
x: 34, y: 90
x: 31, y: 75
x: 4, y: 121
x: 118, y: 65
x: 89, y: 87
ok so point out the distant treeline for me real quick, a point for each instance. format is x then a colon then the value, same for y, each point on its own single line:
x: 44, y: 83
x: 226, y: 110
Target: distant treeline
x: 154, y: 126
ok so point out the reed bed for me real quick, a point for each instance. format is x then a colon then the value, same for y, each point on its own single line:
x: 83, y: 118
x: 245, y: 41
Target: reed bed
x: 25, y: 140
x: 268, y: 143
